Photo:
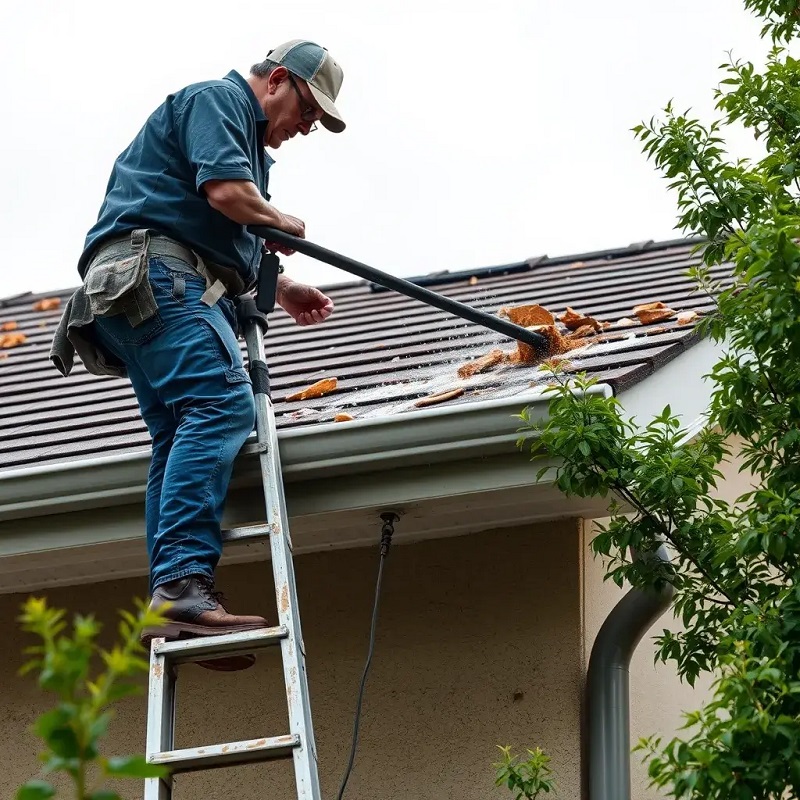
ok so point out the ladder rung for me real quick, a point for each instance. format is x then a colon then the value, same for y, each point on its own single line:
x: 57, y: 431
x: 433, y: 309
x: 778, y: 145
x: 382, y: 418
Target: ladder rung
x: 229, y: 644
x: 251, y: 448
x: 246, y: 532
x: 226, y: 755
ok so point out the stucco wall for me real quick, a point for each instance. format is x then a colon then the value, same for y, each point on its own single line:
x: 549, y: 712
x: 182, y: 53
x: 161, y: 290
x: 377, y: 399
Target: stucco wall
x: 479, y: 644
x: 658, y: 697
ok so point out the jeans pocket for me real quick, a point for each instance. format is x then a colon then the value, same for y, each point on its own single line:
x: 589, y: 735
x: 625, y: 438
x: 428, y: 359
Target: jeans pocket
x: 175, y: 277
x: 229, y: 353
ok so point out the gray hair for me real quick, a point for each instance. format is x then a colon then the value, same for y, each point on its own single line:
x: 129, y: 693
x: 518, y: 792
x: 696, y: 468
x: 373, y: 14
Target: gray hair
x: 263, y: 69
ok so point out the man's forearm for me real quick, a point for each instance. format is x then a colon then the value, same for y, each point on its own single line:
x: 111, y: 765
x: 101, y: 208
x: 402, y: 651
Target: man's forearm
x: 242, y: 202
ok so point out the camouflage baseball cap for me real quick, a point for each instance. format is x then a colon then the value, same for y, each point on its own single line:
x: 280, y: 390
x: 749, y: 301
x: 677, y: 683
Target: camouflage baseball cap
x: 324, y: 76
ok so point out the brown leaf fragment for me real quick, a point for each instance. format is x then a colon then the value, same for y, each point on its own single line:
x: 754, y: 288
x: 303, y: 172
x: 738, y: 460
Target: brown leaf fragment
x: 8, y: 326
x: 318, y: 389
x: 343, y: 418
x: 656, y: 331
x: 648, y: 317
x: 47, y: 304
x: 3, y: 355
x: 526, y: 316
x: 584, y: 330
x: 539, y: 319
x: 649, y: 306
x: 441, y: 397
x: 481, y: 364
x: 687, y: 317
x: 12, y: 339
x: 625, y: 322
x: 577, y: 264
x: 573, y: 320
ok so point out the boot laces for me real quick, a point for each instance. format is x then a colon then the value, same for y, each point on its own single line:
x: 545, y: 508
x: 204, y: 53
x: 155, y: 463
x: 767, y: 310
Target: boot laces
x: 207, y: 587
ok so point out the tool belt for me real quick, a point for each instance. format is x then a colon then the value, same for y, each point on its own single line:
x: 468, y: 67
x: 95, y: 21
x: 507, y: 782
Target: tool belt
x: 219, y: 280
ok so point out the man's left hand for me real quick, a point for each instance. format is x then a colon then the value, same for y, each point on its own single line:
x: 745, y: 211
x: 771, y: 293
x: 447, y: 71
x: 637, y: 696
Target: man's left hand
x: 305, y: 304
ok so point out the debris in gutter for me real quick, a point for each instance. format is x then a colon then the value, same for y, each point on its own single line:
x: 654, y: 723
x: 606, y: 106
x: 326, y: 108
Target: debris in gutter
x: 625, y: 322
x: 473, y: 280
x: 556, y: 343
x: 648, y: 313
x: 657, y: 315
x: 441, y: 397
x: 9, y: 326
x: 47, y: 304
x: 12, y: 340
x: 535, y: 318
x: 318, y: 389
x: 687, y: 317
x: 574, y: 320
x: 584, y: 330
x: 529, y: 315
x: 649, y: 306
x: 343, y: 418
x: 492, y: 358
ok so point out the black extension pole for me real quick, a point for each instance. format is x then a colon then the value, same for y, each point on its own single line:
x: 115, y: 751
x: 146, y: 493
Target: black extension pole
x: 535, y: 340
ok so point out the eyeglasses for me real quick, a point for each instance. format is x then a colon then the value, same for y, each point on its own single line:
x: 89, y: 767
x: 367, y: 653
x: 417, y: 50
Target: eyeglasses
x: 308, y: 113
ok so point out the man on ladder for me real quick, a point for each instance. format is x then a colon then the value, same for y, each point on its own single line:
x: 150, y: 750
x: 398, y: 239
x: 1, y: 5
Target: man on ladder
x: 168, y: 254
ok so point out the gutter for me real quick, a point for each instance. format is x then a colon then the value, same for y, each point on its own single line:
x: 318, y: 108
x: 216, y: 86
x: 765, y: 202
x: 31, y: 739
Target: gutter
x: 441, y: 434
x: 608, y: 688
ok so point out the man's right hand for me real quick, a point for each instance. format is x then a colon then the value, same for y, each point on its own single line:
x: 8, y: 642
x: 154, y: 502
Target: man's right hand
x: 292, y: 225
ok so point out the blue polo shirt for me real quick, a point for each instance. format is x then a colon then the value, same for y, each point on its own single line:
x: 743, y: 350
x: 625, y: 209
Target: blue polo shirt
x: 209, y: 130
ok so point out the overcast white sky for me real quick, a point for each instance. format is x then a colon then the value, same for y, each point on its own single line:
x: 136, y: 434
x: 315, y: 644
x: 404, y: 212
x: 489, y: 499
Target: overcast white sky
x: 478, y: 132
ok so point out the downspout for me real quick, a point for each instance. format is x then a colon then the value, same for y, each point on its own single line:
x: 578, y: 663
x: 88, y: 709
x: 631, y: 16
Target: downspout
x: 608, y: 687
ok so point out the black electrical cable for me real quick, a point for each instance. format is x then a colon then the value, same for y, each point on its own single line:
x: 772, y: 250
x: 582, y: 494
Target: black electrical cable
x: 386, y: 540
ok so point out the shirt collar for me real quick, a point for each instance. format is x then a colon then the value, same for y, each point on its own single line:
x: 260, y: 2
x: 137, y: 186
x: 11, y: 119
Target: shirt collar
x: 242, y: 83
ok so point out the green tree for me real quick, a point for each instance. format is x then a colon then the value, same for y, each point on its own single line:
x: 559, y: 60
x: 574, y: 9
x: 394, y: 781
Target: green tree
x: 736, y: 567
x: 73, y: 729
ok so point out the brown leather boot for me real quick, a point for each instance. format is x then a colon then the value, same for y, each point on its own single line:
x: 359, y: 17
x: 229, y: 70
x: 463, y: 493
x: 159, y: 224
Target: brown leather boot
x: 197, y: 610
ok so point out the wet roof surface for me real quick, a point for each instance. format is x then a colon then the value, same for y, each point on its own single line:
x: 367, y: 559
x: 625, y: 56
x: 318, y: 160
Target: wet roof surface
x: 387, y: 351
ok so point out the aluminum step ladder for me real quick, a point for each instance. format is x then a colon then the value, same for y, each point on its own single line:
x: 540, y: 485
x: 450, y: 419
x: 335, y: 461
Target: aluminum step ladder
x: 298, y: 743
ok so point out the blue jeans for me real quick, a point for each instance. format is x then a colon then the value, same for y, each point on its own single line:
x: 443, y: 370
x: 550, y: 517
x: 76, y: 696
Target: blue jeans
x: 197, y: 402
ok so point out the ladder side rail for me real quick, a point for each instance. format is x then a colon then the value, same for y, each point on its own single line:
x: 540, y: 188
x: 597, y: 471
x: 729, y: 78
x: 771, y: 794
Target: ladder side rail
x: 292, y: 648
x: 160, y: 720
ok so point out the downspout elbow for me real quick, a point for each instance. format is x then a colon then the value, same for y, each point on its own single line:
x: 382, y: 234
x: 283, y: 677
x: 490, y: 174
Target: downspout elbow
x: 608, y: 688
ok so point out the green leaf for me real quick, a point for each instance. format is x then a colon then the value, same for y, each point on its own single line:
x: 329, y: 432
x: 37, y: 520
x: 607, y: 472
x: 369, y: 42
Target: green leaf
x: 35, y: 790
x: 777, y: 547
x: 52, y: 721
x: 133, y: 767
x: 63, y: 742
